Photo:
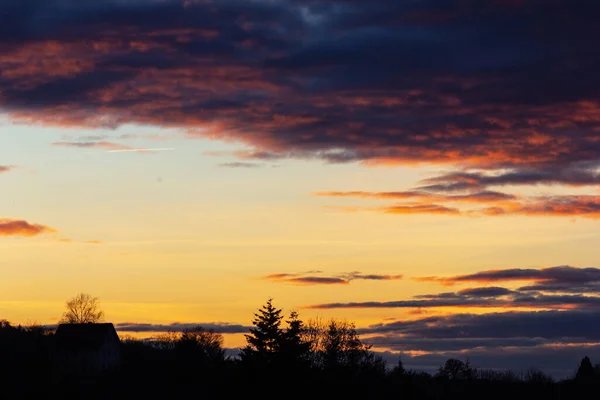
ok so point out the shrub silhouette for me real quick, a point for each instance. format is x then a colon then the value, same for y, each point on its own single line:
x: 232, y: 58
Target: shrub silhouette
x: 455, y: 369
x: 585, y: 370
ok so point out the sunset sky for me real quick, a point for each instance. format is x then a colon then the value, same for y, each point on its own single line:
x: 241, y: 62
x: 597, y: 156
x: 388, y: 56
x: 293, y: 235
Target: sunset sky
x: 428, y: 169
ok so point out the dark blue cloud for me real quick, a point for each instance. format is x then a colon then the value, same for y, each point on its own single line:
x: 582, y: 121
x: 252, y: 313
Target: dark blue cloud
x: 561, y: 325
x: 564, y: 278
x: 486, y: 292
x: 553, y: 341
x: 405, y: 344
x: 479, y: 83
x: 563, y: 328
x: 178, y: 327
x: 566, y: 298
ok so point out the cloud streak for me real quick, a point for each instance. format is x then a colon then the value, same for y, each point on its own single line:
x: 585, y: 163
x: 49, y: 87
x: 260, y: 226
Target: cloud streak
x: 585, y: 174
x: 241, y: 164
x: 557, y: 288
x: 547, y: 325
x: 12, y: 227
x: 108, y: 146
x: 142, y: 150
x: 310, y: 278
x: 478, y: 197
x: 490, y: 204
x: 559, y: 278
x: 177, y: 327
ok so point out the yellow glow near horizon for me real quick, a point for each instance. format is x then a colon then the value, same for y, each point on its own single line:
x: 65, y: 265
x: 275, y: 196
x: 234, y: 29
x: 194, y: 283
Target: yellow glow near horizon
x: 162, y: 238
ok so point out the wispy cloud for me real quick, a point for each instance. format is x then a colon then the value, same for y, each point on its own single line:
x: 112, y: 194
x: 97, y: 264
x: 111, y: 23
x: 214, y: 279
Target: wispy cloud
x: 555, y: 279
x: 109, y: 146
x: 513, y: 324
x: 142, y: 150
x: 12, y: 227
x: 313, y: 278
x: 585, y: 174
x: 486, y: 203
x: 420, y: 209
x: 457, y: 300
x: 560, y: 288
x: 240, y: 164
x: 69, y: 240
x: 177, y: 326
x: 477, y: 197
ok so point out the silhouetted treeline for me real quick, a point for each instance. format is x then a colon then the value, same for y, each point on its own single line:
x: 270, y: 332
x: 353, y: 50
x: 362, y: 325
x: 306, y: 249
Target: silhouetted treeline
x: 285, y: 358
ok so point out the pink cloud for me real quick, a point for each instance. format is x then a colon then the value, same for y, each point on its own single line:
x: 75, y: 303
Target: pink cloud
x: 10, y: 227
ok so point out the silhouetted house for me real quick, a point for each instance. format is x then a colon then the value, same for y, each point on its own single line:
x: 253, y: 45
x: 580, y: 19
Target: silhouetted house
x: 86, y: 348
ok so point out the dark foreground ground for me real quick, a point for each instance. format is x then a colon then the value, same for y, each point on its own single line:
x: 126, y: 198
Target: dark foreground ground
x: 192, y: 365
x: 152, y: 382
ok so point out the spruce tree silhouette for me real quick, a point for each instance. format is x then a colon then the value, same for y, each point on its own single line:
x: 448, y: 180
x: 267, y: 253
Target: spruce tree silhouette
x: 265, y: 339
x: 295, y: 347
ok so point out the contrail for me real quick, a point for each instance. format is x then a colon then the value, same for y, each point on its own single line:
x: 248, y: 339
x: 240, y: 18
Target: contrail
x: 138, y: 150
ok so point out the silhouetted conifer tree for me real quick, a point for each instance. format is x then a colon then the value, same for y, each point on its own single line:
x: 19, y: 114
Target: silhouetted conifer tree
x: 265, y: 339
x: 294, y: 346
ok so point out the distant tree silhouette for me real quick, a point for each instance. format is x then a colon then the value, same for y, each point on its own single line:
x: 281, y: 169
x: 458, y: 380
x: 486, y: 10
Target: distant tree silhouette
x: 336, y: 345
x: 398, y: 369
x: 495, y: 375
x: 455, y: 369
x: 597, y: 369
x: 165, y: 340
x: 82, y: 309
x: 265, y: 339
x: 294, y: 347
x: 204, y: 345
x: 319, y: 359
x: 585, y: 370
x: 534, y: 375
x: 24, y: 355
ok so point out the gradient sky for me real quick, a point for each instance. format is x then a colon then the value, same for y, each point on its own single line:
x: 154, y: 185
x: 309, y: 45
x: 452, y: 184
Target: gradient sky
x: 428, y: 169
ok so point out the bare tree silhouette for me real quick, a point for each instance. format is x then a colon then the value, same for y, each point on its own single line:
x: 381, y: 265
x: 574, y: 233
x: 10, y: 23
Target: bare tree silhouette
x: 82, y: 309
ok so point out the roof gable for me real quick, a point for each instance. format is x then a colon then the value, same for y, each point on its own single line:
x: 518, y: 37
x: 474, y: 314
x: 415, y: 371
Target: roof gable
x: 73, y: 337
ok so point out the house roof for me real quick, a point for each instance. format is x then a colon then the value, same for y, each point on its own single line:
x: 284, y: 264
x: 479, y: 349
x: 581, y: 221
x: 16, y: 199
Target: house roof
x: 73, y: 337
